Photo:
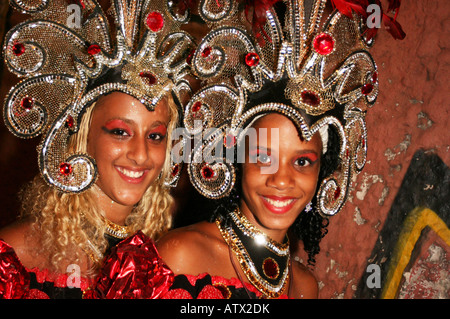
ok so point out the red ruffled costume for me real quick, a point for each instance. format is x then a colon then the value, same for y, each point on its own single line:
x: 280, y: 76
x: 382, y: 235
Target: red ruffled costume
x: 18, y: 282
x: 135, y: 269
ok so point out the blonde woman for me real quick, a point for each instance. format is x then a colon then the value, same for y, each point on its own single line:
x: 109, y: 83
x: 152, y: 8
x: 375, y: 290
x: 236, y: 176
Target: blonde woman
x: 60, y: 232
x: 105, y: 107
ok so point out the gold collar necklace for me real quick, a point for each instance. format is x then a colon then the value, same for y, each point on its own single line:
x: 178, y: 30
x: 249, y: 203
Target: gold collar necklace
x: 264, y: 261
x: 117, y: 231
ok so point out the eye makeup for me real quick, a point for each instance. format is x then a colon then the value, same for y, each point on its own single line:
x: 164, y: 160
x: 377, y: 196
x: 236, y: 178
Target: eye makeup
x: 260, y: 155
x: 306, y: 160
x: 115, y: 126
x: 311, y: 157
x: 160, y: 129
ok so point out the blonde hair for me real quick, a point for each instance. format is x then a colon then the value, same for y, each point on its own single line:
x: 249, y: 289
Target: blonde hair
x: 70, y: 224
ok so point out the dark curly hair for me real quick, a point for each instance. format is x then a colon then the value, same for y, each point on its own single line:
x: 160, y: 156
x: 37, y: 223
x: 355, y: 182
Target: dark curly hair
x: 309, y: 227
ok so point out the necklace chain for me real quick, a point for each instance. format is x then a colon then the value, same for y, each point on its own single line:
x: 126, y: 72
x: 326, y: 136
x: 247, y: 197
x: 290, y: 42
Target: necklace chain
x: 117, y: 231
x: 254, y: 250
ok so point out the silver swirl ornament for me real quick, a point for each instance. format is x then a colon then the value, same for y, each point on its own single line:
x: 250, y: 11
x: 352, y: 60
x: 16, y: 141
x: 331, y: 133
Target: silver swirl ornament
x: 357, y: 136
x: 27, y: 51
x: 72, y: 173
x: 35, y: 102
x: 224, y: 53
x: 199, y: 114
x: 333, y: 189
x: 210, y: 173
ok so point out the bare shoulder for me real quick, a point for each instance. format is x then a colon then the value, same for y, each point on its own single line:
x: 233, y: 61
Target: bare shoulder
x: 21, y: 237
x: 16, y: 234
x: 304, y: 282
x: 188, y: 250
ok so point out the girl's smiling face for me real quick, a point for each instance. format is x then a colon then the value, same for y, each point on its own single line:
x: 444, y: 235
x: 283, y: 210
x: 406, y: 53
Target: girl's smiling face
x: 128, y: 143
x: 273, y: 201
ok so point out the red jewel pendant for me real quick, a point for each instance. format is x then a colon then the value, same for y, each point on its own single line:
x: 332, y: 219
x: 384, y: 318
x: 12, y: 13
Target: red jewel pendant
x: 65, y: 169
x: 155, y: 21
x: 323, y: 44
x: 270, y: 268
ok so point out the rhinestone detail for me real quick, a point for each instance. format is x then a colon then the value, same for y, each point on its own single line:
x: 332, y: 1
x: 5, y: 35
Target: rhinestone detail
x: 65, y: 169
x: 155, y: 21
x: 323, y: 44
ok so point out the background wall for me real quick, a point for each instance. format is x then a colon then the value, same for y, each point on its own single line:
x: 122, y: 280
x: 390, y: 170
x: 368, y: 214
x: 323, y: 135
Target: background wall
x: 411, y: 114
x: 384, y: 222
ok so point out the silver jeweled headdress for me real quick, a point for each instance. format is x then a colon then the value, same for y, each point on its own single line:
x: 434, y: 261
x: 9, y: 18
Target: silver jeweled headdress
x: 331, y: 80
x: 67, y: 65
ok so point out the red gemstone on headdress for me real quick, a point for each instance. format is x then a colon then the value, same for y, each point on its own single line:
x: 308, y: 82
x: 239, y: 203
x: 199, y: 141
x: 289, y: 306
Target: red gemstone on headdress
x: 69, y: 122
x: 367, y: 89
x: 155, y: 21
x: 374, y: 77
x: 207, y: 172
x: 18, y: 49
x: 27, y: 103
x: 149, y: 77
x: 310, y: 98
x: 206, y: 52
x: 65, y: 169
x: 337, y: 192
x: 94, y: 49
x: 229, y: 140
x: 196, y: 106
x: 271, y: 268
x: 323, y: 44
x: 252, y: 59
x: 190, y: 57
x: 175, y: 170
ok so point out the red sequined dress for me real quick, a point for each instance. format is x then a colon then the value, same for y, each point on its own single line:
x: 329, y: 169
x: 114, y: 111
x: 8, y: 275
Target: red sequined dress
x: 135, y: 269
x: 19, y: 282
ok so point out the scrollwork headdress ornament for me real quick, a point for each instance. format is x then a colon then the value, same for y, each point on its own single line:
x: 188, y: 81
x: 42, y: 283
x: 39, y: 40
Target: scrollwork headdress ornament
x: 327, y: 75
x: 66, y: 67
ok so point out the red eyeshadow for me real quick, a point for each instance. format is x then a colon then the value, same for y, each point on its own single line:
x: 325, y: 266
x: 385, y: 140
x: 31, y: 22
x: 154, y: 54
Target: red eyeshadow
x: 311, y: 156
x: 115, y: 124
x: 161, y: 129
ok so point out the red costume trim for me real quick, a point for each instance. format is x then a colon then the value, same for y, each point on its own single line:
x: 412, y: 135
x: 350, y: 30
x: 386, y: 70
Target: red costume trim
x: 15, y: 278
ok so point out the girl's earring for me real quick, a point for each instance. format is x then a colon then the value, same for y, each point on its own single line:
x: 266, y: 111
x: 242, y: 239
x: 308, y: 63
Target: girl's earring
x: 308, y: 207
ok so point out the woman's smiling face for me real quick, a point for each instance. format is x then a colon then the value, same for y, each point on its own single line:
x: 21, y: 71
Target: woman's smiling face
x: 273, y: 201
x: 128, y: 143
